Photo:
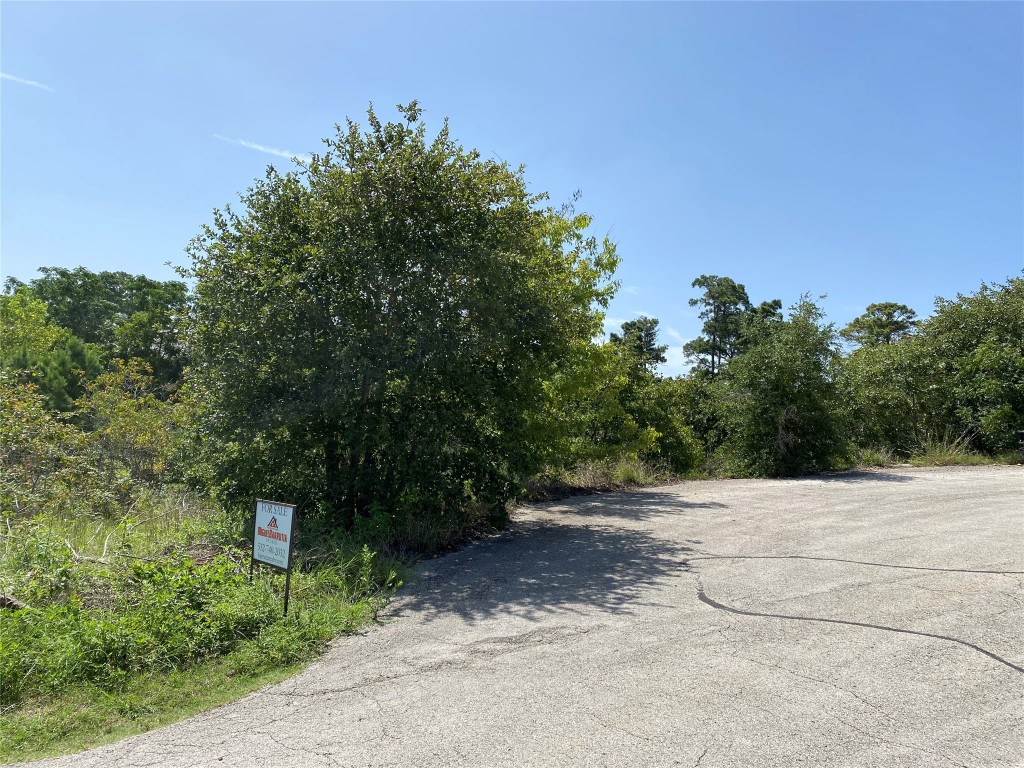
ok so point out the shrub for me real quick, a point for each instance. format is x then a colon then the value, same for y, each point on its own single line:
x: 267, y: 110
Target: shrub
x: 782, y: 407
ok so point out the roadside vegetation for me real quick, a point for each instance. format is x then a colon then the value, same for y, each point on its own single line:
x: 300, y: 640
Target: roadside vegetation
x: 403, y: 341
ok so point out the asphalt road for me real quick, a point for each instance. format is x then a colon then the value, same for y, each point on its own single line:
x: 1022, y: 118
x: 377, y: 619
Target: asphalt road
x: 863, y: 619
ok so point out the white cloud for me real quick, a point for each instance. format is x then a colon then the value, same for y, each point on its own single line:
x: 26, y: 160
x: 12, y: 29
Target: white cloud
x: 265, y: 149
x: 631, y: 289
x: 23, y: 81
x: 675, y: 335
x: 676, y: 364
x: 643, y: 313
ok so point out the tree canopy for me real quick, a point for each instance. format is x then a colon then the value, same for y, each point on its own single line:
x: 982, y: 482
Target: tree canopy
x: 372, y: 332
x: 722, y: 304
x: 882, y: 323
x: 640, y: 338
x: 122, y: 314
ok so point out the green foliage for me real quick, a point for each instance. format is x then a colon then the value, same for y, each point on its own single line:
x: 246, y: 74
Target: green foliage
x: 26, y: 325
x: 98, y: 467
x: 781, y: 404
x: 37, y: 350
x: 86, y: 716
x: 723, y: 304
x: 594, y: 476
x: 678, y: 445
x: 129, y: 427
x: 947, y: 450
x: 896, y: 403
x: 977, y: 345
x: 609, y: 404
x: 585, y: 419
x: 40, y: 454
x: 961, y: 373
x: 651, y: 407
x: 730, y: 322
x: 125, y: 315
x: 699, y: 396
x: 374, y: 331
x: 882, y: 323
x: 103, y: 620
x: 61, y: 373
x: 639, y: 341
x: 872, y: 457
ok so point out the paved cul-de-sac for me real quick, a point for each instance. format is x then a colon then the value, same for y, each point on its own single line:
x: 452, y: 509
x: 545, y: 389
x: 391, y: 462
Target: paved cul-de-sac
x: 858, y: 619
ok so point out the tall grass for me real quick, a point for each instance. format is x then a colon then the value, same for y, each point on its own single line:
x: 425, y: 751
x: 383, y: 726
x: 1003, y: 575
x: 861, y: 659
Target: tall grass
x: 162, y: 590
x: 594, y: 476
x: 947, y: 449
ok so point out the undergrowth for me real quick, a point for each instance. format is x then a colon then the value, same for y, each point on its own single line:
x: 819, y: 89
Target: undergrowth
x: 595, y: 476
x: 108, y: 604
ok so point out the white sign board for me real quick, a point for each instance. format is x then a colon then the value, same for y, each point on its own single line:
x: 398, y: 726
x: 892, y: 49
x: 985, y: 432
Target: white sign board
x: 272, y: 542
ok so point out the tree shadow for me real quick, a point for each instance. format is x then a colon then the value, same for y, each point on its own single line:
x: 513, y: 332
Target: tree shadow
x: 629, y: 505
x: 540, y: 568
x: 859, y: 476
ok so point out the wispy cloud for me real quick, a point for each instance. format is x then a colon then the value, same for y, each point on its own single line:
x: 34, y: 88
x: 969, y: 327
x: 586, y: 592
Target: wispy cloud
x: 23, y: 81
x: 675, y: 335
x: 634, y: 289
x: 265, y: 149
x: 642, y: 313
x: 613, y: 322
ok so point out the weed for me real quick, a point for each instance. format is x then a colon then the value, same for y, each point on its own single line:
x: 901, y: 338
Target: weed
x: 947, y: 450
x: 590, y: 477
x: 150, y: 596
x: 877, y: 457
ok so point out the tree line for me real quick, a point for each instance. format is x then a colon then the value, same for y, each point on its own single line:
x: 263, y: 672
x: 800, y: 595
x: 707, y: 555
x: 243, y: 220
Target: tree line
x: 399, y: 332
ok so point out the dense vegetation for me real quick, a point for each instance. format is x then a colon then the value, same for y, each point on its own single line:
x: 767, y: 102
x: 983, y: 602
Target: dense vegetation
x: 402, y: 340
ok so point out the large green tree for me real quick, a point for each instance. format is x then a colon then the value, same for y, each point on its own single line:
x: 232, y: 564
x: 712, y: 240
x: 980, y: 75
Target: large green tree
x: 977, y: 344
x: 639, y: 338
x: 652, y: 404
x: 590, y: 407
x: 34, y: 349
x: 730, y: 322
x: 372, y: 332
x: 882, y: 323
x: 723, y: 304
x: 782, y: 405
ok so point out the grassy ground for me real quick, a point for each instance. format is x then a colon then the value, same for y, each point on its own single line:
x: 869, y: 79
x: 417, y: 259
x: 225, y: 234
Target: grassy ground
x: 134, y: 623
x: 936, y: 454
x: 88, y: 716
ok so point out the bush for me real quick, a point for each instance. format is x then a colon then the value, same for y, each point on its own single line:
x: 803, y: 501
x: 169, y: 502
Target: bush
x: 105, y: 620
x: 781, y: 404
x: 961, y: 374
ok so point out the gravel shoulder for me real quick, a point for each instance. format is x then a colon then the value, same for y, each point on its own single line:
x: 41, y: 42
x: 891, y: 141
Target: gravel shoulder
x: 857, y: 619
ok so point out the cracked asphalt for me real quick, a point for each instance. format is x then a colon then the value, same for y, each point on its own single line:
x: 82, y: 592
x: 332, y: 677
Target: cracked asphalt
x: 860, y: 619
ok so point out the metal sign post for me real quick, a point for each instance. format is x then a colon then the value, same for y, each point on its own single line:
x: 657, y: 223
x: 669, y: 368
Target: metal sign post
x: 272, y: 540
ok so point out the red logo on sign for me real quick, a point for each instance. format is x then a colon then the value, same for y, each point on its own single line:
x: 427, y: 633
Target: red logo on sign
x: 272, y: 523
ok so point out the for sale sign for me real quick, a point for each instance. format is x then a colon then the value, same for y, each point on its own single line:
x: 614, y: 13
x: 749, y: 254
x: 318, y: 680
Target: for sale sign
x: 272, y: 539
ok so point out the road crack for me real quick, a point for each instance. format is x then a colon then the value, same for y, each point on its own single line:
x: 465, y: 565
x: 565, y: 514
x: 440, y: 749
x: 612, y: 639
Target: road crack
x: 703, y: 597
x: 854, y: 562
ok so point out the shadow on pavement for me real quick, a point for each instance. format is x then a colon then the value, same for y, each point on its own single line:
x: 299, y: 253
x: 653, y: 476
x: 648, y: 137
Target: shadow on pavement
x: 630, y: 505
x: 541, y: 568
x: 859, y: 477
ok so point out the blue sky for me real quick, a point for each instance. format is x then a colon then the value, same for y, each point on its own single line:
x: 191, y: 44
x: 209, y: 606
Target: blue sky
x: 868, y: 151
